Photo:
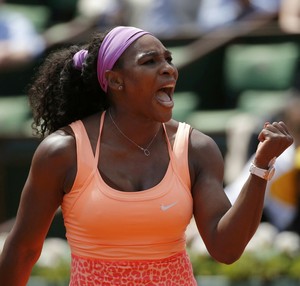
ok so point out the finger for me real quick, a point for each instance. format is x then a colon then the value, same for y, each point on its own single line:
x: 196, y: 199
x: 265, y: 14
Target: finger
x: 280, y: 129
x: 265, y: 132
x: 277, y: 126
x: 283, y: 125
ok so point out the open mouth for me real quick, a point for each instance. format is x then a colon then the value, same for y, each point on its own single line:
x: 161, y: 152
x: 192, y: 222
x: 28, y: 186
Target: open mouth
x: 166, y: 91
x: 165, y: 94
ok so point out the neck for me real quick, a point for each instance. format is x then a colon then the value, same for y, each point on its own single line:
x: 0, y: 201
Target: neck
x: 144, y: 144
x: 138, y: 128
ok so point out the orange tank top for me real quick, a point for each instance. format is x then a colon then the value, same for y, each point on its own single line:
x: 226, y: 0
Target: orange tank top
x: 108, y: 224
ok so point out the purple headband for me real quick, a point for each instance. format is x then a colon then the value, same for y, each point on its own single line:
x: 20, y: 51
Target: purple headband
x: 112, y: 47
x: 79, y: 58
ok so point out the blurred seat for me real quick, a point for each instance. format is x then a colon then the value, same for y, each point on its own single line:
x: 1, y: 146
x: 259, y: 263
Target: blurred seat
x: 184, y: 103
x: 15, y: 116
x: 260, y: 67
x: 262, y: 102
x: 213, y: 123
x: 16, y: 149
x: 16, y: 155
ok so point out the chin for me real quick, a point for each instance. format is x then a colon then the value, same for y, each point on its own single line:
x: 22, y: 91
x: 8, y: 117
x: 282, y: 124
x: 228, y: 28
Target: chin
x: 167, y: 116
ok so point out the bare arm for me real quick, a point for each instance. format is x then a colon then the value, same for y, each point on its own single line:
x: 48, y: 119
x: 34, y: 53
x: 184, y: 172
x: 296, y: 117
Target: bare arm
x: 227, y: 229
x: 10, y: 59
x: 289, y: 16
x: 42, y: 194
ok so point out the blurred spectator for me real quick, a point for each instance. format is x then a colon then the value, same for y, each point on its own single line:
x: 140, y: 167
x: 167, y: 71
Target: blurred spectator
x: 109, y: 12
x: 266, y: 6
x: 289, y: 16
x: 20, y: 43
x: 167, y: 17
x: 175, y: 17
x: 88, y: 16
x: 214, y: 14
x: 282, y: 203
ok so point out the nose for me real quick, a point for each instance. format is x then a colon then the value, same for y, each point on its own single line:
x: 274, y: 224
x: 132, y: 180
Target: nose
x: 169, y: 69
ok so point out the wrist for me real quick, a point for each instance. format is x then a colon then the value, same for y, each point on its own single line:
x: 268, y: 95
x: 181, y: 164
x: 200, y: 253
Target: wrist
x: 263, y: 164
x: 261, y: 171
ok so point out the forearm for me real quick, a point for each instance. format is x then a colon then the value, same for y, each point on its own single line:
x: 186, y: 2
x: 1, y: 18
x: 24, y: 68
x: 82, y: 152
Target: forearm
x: 16, y: 265
x: 225, y: 229
x: 238, y: 225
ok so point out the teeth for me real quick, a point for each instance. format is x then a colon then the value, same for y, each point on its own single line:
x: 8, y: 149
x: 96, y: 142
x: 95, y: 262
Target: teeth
x: 167, y: 86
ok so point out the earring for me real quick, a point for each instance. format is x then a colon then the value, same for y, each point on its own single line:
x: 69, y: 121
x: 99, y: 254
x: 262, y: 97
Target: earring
x: 120, y: 87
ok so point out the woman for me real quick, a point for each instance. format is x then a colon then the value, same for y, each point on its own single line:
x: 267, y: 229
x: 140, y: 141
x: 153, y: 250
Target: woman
x: 128, y: 177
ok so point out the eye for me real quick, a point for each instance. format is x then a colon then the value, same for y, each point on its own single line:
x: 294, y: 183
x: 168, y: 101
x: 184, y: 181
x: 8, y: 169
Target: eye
x: 169, y: 59
x: 148, y: 62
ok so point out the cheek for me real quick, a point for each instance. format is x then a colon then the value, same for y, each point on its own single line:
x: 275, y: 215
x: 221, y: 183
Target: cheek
x: 143, y: 82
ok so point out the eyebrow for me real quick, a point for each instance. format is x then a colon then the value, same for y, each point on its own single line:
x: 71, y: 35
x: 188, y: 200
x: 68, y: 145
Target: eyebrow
x: 153, y: 53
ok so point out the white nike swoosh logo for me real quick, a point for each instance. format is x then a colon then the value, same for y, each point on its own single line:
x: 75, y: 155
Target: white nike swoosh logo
x: 166, y: 207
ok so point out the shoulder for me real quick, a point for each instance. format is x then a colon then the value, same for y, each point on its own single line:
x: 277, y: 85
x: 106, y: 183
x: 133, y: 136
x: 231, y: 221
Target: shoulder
x: 205, y: 157
x: 59, y: 144
x: 55, y: 155
x: 198, y: 140
x: 201, y: 142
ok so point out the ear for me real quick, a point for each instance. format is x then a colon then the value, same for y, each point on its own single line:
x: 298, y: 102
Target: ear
x: 114, y: 79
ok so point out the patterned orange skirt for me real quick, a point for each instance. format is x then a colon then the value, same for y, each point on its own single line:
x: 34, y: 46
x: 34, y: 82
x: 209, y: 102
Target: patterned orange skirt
x: 172, y: 271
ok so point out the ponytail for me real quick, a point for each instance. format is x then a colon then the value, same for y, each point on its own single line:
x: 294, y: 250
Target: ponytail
x: 61, y: 93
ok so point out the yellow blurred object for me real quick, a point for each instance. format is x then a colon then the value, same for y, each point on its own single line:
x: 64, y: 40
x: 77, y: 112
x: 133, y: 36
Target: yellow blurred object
x: 283, y: 188
x: 297, y: 158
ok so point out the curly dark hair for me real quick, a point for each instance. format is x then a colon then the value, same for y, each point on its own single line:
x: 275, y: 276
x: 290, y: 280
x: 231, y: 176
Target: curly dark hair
x: 61, y: 94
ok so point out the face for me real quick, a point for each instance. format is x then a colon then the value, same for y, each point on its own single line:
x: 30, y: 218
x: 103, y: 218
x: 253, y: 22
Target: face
x: 148, y: 77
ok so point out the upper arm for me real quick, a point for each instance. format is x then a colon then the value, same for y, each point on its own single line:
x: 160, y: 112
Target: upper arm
x: 210, y: 202
x: 53, y: 162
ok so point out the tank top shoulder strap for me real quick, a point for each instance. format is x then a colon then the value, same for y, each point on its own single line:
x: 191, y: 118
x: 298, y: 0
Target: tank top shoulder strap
x: 87, y: 161
x: 180, y: 153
